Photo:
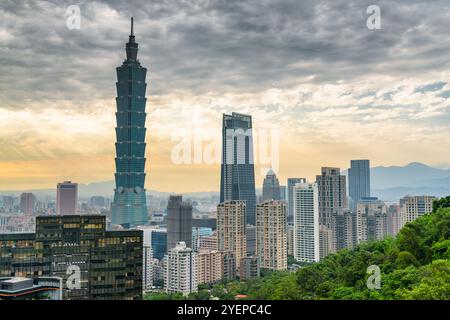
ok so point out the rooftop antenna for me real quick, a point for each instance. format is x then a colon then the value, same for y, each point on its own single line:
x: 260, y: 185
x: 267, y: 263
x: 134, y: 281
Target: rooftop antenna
x: 132, y: 26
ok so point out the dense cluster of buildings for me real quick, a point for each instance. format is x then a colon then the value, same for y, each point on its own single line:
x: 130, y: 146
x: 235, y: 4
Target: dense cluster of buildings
x: 121, y: 253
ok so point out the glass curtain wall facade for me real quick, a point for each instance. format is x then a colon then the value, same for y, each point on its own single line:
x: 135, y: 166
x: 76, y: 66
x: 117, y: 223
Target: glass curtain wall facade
x: 108, y: 264
x: 237, y: 180
x: 358, y: 181
x: 129, y: 208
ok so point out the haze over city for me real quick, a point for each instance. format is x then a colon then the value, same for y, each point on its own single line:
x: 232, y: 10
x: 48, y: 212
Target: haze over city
x: 334, y: 89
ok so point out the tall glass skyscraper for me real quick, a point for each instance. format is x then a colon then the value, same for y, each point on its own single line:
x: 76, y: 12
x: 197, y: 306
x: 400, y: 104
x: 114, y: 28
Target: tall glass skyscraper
x: 237, y: 180
x: 129, y: 208
x: 358, y: 181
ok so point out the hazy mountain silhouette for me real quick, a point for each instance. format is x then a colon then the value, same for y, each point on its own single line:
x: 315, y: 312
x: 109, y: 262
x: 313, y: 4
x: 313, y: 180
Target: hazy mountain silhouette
x: 388, y: 183
x: 414, y: 174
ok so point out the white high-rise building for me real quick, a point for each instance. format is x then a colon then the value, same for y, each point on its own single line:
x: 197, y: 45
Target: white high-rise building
x: 147, y: 269
x: 306, y: 222
x: 412, y: 207
x: 180, y: 273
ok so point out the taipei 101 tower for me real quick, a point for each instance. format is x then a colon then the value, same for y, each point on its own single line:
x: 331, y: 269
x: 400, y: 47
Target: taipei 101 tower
x: 129, y: 208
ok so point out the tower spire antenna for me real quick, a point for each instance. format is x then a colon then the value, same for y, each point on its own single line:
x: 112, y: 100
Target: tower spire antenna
x: 132, y: 46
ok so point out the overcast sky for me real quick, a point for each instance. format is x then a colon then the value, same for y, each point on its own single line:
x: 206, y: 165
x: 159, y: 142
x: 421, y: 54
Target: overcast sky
x: 334, y: 89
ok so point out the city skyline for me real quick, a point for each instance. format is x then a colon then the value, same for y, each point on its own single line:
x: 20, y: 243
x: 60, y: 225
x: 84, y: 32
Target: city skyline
x: 72, y: 100
x: 241, y: 155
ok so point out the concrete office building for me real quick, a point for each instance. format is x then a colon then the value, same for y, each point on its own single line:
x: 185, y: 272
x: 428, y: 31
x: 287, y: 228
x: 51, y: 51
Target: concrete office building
x: 27, y: 203
x: 179, y: 222
x: 271, y: 235
x: 66, y: 198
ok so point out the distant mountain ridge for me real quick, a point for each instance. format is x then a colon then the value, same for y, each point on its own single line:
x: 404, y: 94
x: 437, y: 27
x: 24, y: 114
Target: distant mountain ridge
x: 388, y: 183
x: 414, y: 174
x: 101, y: 188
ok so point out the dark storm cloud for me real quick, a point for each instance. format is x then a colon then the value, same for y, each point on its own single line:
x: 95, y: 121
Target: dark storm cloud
x: 222, y: 45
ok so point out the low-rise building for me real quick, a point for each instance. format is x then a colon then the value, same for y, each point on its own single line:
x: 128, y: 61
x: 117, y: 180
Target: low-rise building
x: 249, y: 268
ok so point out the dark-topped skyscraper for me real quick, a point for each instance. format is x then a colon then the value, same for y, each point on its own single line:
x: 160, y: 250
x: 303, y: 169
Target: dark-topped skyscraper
x: 129, y: 208
x: 179, y: 222
x: 358, y: 182
x: 237, y: 180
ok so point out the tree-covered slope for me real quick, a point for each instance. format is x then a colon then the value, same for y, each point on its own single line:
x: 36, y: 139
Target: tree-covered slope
x: 415, y: 265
